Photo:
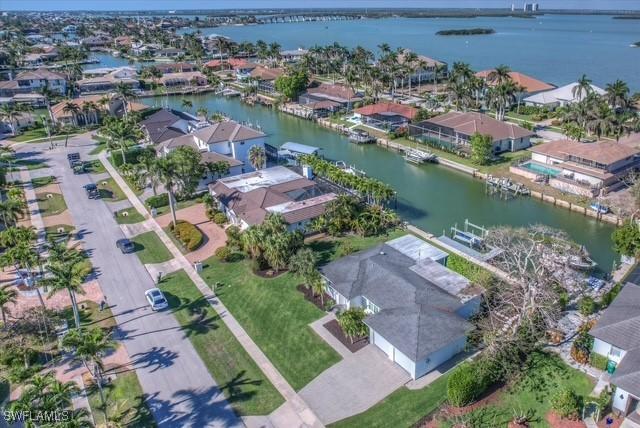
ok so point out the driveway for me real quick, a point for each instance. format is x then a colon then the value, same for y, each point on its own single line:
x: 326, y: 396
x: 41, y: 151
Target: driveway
x: 178, y: 388
x: 353, y: 385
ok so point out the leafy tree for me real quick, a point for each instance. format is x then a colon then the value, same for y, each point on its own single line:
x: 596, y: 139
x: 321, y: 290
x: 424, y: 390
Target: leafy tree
x: 481, y: 149
x: 303, y: 264
x: 8, y: 295
x: 566, y: 402
x: 121, y: 134
x: 626, y: 239
x: 290, y: 85
x: 352, y: 323
x: 187, y: 164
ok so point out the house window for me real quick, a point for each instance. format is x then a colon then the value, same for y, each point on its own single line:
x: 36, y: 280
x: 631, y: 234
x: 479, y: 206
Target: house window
x: 615, y: 352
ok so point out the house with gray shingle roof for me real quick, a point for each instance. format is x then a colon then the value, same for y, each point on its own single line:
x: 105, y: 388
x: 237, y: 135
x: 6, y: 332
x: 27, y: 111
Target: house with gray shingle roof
x: 617, y: 337
x: 418, y: 309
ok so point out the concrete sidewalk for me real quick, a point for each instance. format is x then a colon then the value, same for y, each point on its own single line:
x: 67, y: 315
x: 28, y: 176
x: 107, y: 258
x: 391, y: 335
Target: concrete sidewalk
x: 295, y: 409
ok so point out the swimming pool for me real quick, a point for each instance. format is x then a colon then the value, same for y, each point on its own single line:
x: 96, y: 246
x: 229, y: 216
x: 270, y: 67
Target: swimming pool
x: 540, y: 169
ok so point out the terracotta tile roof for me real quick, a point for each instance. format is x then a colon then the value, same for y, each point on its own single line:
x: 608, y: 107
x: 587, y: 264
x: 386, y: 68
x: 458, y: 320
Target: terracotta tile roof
x: 631, y: 140
x: 175, y: 67
x: 471, y: 122
x: 339, y: 93
x: 231, y: 62
x: 264, y: 73
x: 529, y: 83
x: 430, y: 61
x: 382, y: 108
x: 58, y: 109
x: 604, y: 152
x: 40, y: 74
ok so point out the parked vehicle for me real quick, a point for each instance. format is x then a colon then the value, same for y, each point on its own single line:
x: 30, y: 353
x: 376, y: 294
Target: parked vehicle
x: 125, y: 245
x: 92, y: 191
x: 79, y: 167
x: 73, y: 158
x: 156, y: 299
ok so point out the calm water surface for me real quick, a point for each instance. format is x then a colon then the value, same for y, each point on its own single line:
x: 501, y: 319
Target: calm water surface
x: 553, y: 48
x: 432, y: 197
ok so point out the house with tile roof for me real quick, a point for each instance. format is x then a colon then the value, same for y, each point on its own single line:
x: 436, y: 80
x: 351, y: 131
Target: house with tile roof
x: 417, y: 309
x: 386, y: 115
x: 329, y: 98
x: 559, y: 97
x: 422, y: 74
x: 247, y: 199
x: 530, y: 85
x: 455, y: 129
x: 109, y: 81
x: 616, y: 337
x: 32, y: 81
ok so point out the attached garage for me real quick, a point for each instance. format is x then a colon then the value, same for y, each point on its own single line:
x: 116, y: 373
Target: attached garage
x: 392, y: 353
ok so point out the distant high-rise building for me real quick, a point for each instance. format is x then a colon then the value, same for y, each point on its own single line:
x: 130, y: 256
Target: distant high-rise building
x: 535, y: 7
x: 513, y: 7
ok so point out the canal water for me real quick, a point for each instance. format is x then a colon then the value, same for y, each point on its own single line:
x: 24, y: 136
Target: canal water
x: 553, y: 48
x: 432, y: 197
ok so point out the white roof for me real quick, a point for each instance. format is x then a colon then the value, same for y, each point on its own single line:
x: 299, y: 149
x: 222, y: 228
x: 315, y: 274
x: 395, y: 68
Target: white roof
x: 417, y: 249
x: 299, y: 148
x: 563, y: 94
x: 263, y: 178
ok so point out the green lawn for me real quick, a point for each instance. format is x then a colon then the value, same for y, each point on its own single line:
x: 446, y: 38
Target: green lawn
x: 95, y: 167
x: 150, y: 248
x: 102, y: 146
x: 31, y: 134
x: 110, y: 191
x: 276, y: 316
x: 31, y: 164
x: 50, y: 206
x: 132, y: 216
x: 125, y: 402
x: 42, y: 181
x: 240, y: 379
x: 91, y: 316
x: 180, y: 205
x: 331, y: 248
x: 403, y: 408
x: 53, y: 233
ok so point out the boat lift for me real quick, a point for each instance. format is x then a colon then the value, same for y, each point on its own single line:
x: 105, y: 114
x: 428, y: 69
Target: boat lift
x: 472, y: 234
x: 505, y: 188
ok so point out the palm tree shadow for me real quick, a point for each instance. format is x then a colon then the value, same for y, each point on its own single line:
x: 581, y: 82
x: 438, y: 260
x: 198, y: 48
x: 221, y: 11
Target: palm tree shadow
x: 235, y: 388
x: 156, y: 357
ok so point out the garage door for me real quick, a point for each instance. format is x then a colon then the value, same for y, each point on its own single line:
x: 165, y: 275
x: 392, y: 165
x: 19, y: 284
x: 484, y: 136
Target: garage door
x: 382, y: 343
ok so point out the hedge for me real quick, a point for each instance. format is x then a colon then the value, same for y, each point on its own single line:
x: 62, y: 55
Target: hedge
x: 224, y: 253
x: 158, y: 201
x: 189, y: 235
x: 219, y: 218
x: 598, y: 361
x: 467, y: 382
x: 567, y: 403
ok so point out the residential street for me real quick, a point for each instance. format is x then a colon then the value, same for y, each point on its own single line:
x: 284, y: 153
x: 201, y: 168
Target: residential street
x: 179, y: 389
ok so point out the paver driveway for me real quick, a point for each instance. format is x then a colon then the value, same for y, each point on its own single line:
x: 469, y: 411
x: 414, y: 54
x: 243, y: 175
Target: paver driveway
x: 353, y: 385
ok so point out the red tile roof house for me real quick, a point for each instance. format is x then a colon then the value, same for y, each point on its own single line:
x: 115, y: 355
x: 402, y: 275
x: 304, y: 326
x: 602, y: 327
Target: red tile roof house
x: 386, y: 115
x: 455, y: 129
x: 247, y: 199
x: 327, y: 98
x: 530, y: 85
x: 586, y: 169
x: 33, y: 80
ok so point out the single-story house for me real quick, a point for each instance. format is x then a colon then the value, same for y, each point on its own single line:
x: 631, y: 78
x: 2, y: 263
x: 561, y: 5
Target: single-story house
x: 24, y: 120
x: 109, y: 81
x: 616, y: 336
x: 386, y: 115
x: 191, y: 78
x: 585, y: 169
x: 166, y: 124
x: 424, y: 74
x: 329, y: 98
x: 98, y: 41
x: 247, y: 199
x: 169, y: 53
x: 92, y: 109
x: 293, y: 55
x: 417, y: 308
x: 559, y: 97
x: 529, y: 85
x: 455, y: 129
x: 32, y: 81
x: 175, y: 67
x: 238, y: 64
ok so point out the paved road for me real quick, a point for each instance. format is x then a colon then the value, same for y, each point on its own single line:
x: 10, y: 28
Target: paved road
x: 179, y: 390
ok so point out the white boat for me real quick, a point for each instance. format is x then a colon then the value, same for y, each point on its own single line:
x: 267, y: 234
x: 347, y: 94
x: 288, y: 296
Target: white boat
x: 350, y: 169
x: 418, y: 156
x: 228, y: 92
x: 599, y: 208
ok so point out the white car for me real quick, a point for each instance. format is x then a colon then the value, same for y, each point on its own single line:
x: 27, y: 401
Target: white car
x: 156, y: 299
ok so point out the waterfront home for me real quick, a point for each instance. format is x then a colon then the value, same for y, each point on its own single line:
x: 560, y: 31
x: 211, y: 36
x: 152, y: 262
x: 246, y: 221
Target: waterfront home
x: 108, y: 82
x: 455, y: 129
x: 294, y: 55
x: 425, y: 72
x: 191, y: 78
x: 102, y: 71
x: 40, y: 54
x: 32, y: 81
x: 529, y: 85
x: 248, y: 198
x: 386, y: 115
x: 417, y: 309
x: 559, y: 97
x: 586, y: 169
x: 122, y: 41
x: 617, y: 339
x: 169, y: 53
x: 92, y: 109
x: 175, y: 67
x: 97, y: 41
x: 144, y: 49
x: 166, y: 124
x: 34, y: 100
x: 230, y: 64
x: 329, y: 98
x: 265, y: 78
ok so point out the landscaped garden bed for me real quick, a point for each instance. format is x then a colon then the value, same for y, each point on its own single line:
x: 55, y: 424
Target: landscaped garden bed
x: 334, y: 328
x: 110, y: 191
x: 128, y: 216
x: 316, y: 299
x: 51, y: 204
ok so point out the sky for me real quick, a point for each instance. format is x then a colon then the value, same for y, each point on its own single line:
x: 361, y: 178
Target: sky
x: 101, y: 5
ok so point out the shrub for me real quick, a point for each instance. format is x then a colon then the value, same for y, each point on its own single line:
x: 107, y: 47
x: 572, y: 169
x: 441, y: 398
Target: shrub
x: 158, y: 201
x: 467, y: 382
x: 566, y: 403
x: 189, y: 235
x: 598, y: 361
x: 233, y: 237
x: 219, y: 218
x: 345, y: 249
x: 609, y: 296
x: 224, y: 254
x: 587, y: 306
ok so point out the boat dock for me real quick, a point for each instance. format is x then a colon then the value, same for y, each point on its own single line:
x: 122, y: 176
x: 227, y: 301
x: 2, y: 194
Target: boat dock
x: 470, y: 241
x: 359, y: 136
x: 418, y: 156
x: 505, y: 187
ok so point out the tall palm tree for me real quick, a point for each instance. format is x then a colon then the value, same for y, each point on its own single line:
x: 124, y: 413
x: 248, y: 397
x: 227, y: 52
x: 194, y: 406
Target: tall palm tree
x: 257, y: 157
x: 165, y: 173
x: 11, y: 114
x: 121, y: 133
x: 582, y: 88
x: 499, y: 75
x: 70, y: 107
x: 617, y: 94
x: 125, y: 93
x: 89, y: 346
x: 8, y: 295
x: 187, y: 104
x: 66, y: 276
x: 11, y: 210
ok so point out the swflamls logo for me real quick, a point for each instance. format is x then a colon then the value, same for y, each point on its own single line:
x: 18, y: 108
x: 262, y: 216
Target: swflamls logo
x: 49, y: 416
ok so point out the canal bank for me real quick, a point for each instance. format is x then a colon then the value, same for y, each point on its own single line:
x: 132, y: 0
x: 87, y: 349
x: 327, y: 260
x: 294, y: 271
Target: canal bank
x: 430, y: 196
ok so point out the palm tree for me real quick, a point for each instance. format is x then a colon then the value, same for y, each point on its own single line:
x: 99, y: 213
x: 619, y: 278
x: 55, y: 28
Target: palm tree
x: 70, y: 107
x: 316, y: 283
x: 582, y: 88
x: 124, y: 92
x: 165, y: 173
x: 11, y: 114
x: 617, y: 94
x: 202, y: 112
x: 499, y: 75
x: 257, y: 157
x: 11, y: 210
x: 66, y: 276
x: 89, y: 346
x: 7, y: 296
x: 121, y: 133
x: 187, y: 104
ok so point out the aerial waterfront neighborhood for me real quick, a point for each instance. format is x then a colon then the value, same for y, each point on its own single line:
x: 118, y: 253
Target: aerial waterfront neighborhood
x: 354, y: 216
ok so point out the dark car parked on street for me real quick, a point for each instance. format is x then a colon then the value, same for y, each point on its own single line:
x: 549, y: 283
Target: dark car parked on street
x: 92, y: 191
x: 125, y: 245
